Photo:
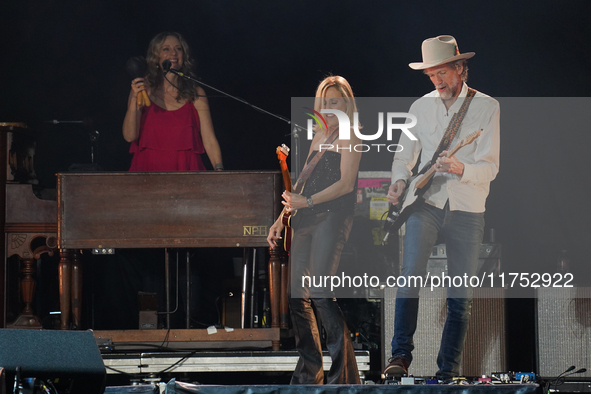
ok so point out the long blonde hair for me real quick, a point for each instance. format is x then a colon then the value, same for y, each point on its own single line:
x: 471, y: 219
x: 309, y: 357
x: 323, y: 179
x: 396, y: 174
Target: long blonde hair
x: 155, y: 75
x: 340, y: 84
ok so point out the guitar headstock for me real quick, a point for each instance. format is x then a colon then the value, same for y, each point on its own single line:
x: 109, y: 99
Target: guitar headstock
x: 282, y: 152
x: 470, y: 138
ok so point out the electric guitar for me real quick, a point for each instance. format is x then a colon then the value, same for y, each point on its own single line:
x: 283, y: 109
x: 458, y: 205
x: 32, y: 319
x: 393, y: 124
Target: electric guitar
x: 412, y: 196
x: 282, y: 153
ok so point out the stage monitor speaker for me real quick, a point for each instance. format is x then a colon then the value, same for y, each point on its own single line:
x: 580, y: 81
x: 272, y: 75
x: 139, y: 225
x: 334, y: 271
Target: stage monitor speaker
x: 484, y: 350
x: 2, y: 381
x: 563, y: 330
x: 134, y: 389
x: 69, y: 359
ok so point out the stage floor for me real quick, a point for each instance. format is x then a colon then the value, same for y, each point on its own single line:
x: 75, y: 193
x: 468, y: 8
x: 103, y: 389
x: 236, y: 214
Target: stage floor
x: 174, y: 387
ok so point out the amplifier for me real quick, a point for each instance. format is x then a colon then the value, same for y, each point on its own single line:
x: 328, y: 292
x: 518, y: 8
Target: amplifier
x: 485, y: 348
x: 563, y: 330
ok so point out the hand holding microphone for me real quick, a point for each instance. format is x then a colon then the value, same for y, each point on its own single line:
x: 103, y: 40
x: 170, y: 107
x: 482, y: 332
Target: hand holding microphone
x: 136, y: 67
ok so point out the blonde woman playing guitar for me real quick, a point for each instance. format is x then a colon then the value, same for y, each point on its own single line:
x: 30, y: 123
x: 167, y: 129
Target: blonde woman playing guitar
x: 320, y: 229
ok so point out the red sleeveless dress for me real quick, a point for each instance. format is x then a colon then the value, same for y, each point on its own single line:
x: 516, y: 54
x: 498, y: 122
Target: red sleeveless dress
x: 168, y: 140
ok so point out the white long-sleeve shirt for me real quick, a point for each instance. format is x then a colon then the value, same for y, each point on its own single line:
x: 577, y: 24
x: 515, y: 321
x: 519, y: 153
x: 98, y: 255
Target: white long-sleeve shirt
x: 481, y: 158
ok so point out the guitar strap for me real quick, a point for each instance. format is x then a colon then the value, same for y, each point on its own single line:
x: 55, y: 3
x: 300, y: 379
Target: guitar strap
x: 307, y: 171
x: 454, y: 125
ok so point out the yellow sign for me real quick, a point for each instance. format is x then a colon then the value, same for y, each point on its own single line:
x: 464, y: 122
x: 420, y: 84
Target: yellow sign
x: 377, y: 207
x: 255, y: 231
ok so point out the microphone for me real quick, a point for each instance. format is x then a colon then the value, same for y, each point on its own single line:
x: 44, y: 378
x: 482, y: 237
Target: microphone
x: 166, y: 64
x: 136, y: 67
x: 581, y: 370
x: 560, y: 379
x: 563, y: 375
x: 166, y: 67
x: 568, y: 370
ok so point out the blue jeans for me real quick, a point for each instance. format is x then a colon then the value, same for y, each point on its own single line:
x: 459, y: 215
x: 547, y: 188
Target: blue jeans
x: 463, y: 233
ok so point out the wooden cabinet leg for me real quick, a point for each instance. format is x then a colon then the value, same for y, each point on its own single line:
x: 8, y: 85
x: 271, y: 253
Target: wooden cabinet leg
x: 27, y: 319
x: 76, y: 290
x: 28, y: 283
x: 65, y: 276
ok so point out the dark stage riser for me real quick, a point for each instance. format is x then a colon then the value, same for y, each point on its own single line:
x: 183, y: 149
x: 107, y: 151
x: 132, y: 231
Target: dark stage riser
x: 174, y: 387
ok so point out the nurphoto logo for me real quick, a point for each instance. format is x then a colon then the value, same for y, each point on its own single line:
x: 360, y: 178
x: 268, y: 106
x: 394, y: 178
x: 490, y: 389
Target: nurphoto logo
x: 345, y: 129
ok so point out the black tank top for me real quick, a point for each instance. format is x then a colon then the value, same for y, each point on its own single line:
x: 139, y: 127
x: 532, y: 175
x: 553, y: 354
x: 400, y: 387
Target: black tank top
x: 327, y: 172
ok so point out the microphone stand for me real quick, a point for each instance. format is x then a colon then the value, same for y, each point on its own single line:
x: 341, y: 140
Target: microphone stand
x: 296, y: 151
x: 167, y: 69
x: 296, y: 127
x: 562, y: 377
x: 93, y: 136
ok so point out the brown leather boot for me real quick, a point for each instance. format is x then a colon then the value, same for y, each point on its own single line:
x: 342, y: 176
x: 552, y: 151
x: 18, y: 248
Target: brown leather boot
x: 397, y: 366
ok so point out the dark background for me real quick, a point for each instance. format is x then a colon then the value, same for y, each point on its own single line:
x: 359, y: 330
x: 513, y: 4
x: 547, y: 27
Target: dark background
x: 65, y: 60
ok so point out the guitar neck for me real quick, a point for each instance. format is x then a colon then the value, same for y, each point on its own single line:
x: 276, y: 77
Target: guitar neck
x: 454, y: 150
x: 431, y: 171
x: 286, y: 175
x: 426, y: 177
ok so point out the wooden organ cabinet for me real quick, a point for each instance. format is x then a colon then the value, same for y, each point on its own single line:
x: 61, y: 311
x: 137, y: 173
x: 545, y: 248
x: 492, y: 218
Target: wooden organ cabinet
x: 29, y: 225
x: 111, y: 210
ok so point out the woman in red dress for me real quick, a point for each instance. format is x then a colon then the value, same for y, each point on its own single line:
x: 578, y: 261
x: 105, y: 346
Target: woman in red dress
x: 172, y: 132
x: 169, y: 134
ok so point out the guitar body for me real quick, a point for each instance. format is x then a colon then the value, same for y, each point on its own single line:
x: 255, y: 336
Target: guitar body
x: 410, y: 200
x: 412, y: 197
x: 286, y: 220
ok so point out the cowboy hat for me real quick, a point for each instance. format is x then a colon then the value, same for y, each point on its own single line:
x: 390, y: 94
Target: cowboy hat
x: 439, y: 50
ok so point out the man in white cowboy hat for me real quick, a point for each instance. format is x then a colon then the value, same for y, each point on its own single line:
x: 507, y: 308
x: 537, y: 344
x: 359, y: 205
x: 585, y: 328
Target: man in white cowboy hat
x: 454, y: 202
